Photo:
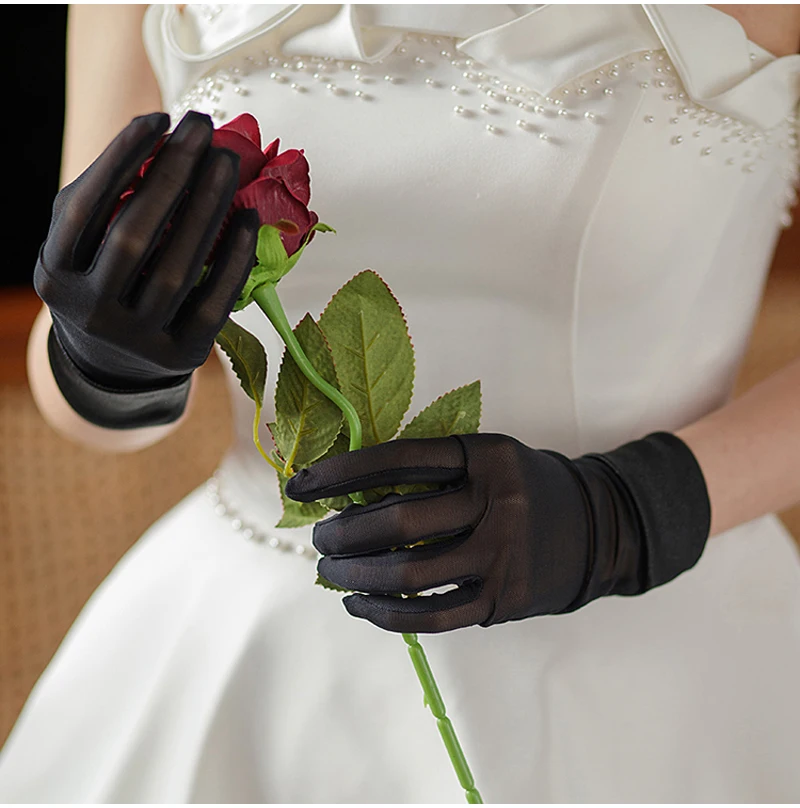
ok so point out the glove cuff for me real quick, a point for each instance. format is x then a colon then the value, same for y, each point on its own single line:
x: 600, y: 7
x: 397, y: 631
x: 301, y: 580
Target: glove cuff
x: 112, y: 408
x: 671, y: 501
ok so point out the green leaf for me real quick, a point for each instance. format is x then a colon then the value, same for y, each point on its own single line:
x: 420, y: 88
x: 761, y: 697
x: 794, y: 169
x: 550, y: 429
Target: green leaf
x: 248, y: 359
x: 298, y: 514
x: 339, y: 446
x: 455, y: 413
x: 336, y: 503
x: 372, y: 495
x: 372, y: 351
x: 275, y: 454
x: 326, y: 584
x: 306, y: 421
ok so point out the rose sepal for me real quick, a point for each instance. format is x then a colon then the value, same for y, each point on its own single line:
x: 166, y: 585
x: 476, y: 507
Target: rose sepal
x: 273, y: 262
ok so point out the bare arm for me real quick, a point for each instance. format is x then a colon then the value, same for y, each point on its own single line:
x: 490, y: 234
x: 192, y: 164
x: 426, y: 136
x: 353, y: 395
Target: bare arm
x: 749, y: 450
x: 109, y: 81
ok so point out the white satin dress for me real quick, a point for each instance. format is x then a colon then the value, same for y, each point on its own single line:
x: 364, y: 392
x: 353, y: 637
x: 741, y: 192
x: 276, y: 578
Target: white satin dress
x: 576, y: 205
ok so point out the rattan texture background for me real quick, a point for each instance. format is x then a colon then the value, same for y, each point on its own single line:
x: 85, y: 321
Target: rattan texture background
x: 68, y: 514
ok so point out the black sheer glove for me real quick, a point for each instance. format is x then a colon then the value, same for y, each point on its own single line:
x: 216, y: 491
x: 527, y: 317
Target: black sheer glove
x: 519, y: 531
x: 130, y: 321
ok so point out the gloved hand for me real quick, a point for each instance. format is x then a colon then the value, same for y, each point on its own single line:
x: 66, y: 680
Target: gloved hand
x: 529, y: 532
x: 129, y: 323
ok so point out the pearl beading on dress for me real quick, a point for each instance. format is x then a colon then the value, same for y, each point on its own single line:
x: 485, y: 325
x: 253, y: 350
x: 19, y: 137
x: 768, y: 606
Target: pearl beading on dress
x: 229, y: 510
x: 504, y: 108
x: 209, y: 12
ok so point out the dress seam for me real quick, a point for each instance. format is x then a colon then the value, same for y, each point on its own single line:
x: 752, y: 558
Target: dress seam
x: 573, y: 351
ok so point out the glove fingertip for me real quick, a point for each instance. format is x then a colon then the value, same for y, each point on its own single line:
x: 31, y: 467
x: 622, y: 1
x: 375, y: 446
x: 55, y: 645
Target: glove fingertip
x: 300, y: 488
x: 373, y: 609
x: 157, y: 121
x: 357, y: 606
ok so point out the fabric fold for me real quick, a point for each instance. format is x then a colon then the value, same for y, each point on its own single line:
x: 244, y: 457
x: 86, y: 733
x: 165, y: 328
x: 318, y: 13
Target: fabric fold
x: 721, y: 77
x: 554, y: 44
x: 344, y: 37
x: 542, y: 48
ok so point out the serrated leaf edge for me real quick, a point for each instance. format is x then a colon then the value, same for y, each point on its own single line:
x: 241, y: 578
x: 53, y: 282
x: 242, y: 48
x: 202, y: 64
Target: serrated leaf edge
x: 408, y: 333
x: 277, y: 378
x: 436, y: 400
x: 311, y: 520
x: 244, y: 382
x: 326, y: 584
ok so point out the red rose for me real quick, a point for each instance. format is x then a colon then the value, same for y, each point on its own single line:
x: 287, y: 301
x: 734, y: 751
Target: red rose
x: 275, y: 185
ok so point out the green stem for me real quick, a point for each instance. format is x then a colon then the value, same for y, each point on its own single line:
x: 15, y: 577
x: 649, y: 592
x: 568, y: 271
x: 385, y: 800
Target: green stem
x: 433, y: 698
x: 266, y: 297
x: 257, y: 440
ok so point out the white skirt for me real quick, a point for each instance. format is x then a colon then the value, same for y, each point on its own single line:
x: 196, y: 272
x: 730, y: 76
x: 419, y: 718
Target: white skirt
x: 208, y: 668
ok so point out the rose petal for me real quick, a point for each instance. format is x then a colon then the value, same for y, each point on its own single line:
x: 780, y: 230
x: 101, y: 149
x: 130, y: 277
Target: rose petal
x: 274, y: 202
x: 271, y: 152
x: 292, y: 168
x: 313, y: 220
x: 252, y: 160
x: 146, y: 164
x: 245, y: 125
x: 138, y: 178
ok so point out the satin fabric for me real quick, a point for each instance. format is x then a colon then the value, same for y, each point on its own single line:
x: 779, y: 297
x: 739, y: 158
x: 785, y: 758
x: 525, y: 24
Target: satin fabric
x: 600, y: 272
x: 543, y: 47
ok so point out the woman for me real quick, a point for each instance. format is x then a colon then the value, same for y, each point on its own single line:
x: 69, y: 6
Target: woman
x: 577, y: 205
